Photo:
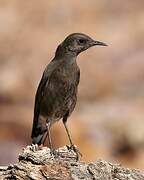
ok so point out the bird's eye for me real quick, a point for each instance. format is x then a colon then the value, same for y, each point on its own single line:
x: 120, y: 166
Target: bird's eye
x: 82, y: 41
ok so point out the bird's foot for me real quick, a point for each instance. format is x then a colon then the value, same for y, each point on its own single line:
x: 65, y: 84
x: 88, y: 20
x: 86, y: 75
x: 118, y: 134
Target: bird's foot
x: 34, y: 147
x: 76, y: 150
x: 54, y: 153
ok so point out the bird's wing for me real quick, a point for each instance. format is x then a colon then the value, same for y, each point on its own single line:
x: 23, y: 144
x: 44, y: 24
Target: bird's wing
x: 40, y: 93
x: 78, y: 77
x: 38, y: 98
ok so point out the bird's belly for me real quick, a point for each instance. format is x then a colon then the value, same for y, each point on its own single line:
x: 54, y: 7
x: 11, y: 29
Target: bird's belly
x: 58, y: 103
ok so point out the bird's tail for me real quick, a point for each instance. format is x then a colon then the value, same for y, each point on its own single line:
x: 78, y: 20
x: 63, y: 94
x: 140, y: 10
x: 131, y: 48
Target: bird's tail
x: 38, y: 139
x: 39, y: 133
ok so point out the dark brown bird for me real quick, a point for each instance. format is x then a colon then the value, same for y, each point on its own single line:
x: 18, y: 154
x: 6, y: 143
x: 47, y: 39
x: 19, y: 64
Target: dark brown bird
x: 56, y: 95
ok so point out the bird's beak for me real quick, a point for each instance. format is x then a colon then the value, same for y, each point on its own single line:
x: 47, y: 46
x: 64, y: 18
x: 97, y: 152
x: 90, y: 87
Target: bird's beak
x: 98, y: 43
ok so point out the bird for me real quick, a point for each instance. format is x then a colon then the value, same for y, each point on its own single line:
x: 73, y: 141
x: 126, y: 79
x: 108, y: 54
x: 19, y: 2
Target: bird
x: 56, y: 94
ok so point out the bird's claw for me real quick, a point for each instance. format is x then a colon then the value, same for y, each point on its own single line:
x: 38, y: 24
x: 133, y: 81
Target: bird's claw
x: 54, y: 153
x: 76, y: 150
x: 34, y: 147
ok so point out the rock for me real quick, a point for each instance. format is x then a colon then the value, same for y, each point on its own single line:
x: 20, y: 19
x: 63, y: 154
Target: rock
x: 41, y: 164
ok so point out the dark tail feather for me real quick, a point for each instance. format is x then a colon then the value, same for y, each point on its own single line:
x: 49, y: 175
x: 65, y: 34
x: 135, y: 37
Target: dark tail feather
x: 37, y: 139
x: 40, y: 138
x: 38, y: 135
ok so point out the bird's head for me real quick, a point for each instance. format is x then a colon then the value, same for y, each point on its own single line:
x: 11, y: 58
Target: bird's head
x: 77, y: 42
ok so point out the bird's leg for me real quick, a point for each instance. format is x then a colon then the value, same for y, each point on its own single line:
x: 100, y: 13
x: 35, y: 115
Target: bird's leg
x: 53, y: 151
x: 72, y: 146
x: 49, y: 136
x: 34, y: 147
x: 67, y: 131
x: 44, y: 137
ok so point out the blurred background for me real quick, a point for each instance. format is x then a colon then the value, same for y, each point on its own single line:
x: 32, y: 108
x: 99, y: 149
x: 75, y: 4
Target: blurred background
x: 108, y: 121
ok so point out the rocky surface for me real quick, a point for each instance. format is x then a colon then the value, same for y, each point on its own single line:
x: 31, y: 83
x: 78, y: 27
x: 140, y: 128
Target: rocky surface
x: 41, y: 164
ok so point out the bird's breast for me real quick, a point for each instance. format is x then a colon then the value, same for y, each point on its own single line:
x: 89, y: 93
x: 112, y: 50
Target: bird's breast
x: 61, y: 92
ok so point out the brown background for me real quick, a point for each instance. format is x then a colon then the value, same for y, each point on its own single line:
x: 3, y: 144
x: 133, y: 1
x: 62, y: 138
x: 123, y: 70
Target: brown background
x: 108, y: 121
